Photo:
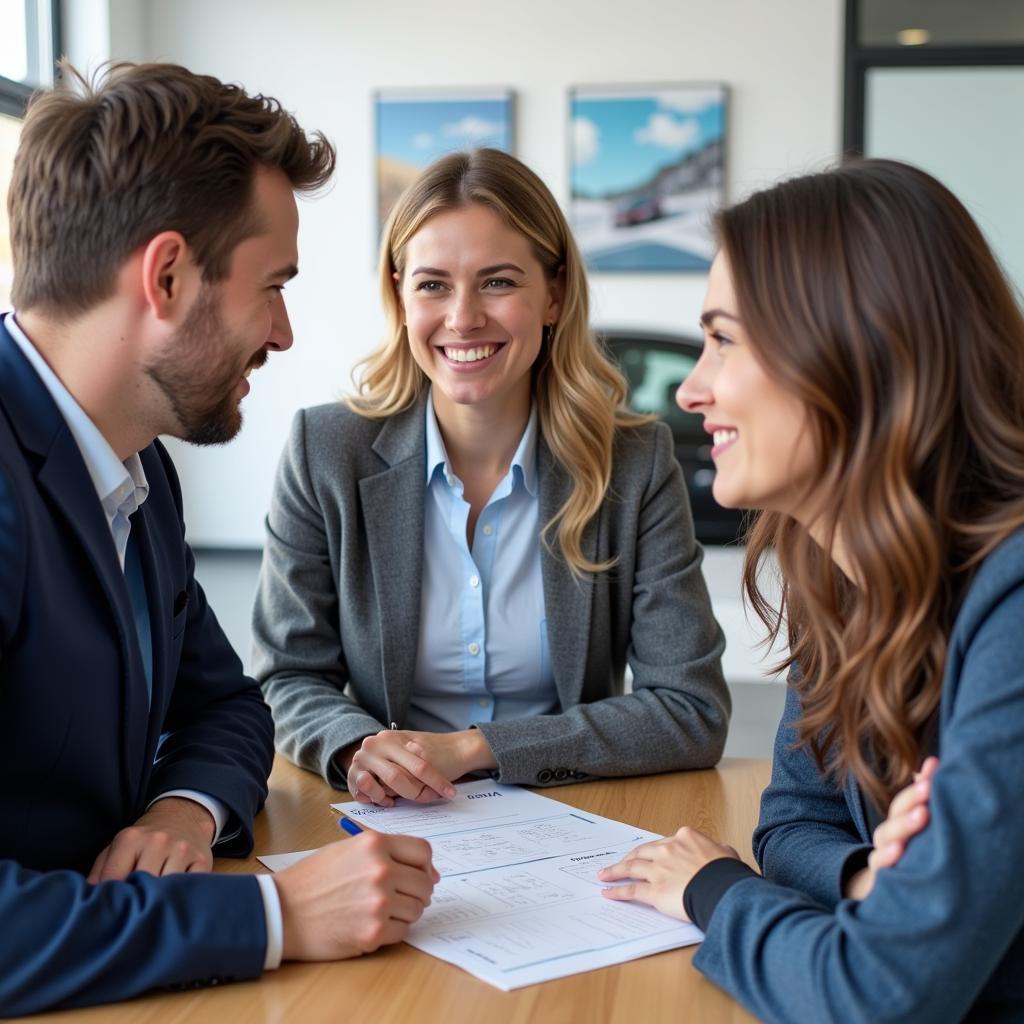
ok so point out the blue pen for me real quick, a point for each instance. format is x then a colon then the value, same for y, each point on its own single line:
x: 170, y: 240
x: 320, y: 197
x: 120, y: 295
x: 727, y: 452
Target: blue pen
x: 349, y: 826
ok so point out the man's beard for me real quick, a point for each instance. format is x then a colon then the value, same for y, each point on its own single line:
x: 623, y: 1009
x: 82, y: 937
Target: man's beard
x: 198, y: 373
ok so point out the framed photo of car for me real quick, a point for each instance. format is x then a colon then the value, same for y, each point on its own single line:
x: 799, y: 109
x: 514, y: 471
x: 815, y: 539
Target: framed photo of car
x: 415, y: 127
x: 647, y: 170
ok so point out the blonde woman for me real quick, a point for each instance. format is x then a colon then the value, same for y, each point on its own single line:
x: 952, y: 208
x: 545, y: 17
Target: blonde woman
x: 462, y: 559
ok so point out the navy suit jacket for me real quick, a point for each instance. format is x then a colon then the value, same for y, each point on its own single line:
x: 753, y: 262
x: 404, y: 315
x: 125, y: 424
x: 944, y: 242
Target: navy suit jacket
x: 83, y: 750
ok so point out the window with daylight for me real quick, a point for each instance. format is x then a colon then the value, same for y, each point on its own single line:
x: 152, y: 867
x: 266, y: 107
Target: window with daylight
x: 29, y: 44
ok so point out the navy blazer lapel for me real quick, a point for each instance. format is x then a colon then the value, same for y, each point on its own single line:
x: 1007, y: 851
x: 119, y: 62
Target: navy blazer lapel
x: 392, y: 506
x: 63, y: 476
x: 568, y: 600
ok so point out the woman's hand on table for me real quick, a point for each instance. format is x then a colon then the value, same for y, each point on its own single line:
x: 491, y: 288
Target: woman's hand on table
x: 908, y: 815
x: 659, y: 872
x: 419, y: 766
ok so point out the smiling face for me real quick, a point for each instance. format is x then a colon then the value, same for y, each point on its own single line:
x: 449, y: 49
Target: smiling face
x: 475, y: 300
x: 233, y: 325
x: 763, y: 453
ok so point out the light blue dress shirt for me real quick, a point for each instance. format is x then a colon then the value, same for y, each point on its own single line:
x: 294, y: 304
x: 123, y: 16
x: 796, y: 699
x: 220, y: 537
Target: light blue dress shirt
x: 483, y: 647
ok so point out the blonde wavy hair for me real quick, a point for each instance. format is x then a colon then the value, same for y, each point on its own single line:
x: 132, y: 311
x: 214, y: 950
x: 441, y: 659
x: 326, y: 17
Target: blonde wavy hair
x: 579, y: 392
x: 870, y: 293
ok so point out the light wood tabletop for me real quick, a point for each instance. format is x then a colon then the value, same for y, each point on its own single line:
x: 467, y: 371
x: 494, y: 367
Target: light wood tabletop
x: 402, y: 984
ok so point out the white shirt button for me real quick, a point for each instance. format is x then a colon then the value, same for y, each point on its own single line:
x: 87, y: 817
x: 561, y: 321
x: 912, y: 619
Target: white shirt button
x: 484, y: 702
x: 488, y: 530
x: 474, y: 648
x: 474, y: 581
x: 451, y: 480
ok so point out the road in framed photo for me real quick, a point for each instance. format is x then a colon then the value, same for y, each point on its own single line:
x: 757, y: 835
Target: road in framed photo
x: 647, y: 170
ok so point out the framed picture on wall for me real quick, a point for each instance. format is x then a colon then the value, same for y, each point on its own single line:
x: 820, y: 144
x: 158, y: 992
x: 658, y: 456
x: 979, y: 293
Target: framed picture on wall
x: 414, y: 128
x: 647, y: 168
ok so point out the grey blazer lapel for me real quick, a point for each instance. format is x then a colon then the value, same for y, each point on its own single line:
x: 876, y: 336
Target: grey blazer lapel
x: 392, y: 506
x: 568, y: 600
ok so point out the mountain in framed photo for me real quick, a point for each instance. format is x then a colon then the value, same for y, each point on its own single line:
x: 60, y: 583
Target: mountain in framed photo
x: 415, y: 127
x: 647, y: 170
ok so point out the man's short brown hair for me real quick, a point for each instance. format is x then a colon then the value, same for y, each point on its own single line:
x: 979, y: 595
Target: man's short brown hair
x: 104, y: 166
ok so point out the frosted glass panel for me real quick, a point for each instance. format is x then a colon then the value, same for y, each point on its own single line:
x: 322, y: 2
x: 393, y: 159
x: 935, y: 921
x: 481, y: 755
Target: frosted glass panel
x: 965, y: 126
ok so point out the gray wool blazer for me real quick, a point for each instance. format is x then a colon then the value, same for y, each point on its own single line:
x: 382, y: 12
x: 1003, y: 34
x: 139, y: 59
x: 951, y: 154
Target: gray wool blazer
x: 336, y: 620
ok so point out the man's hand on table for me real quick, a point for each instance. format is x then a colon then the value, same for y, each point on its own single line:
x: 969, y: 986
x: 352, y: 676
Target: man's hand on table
x: 173, y: 836
x: 354, y: 896
x: 416, y: 765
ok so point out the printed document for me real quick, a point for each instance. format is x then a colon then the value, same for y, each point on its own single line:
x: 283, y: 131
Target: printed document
x: 519, y: 901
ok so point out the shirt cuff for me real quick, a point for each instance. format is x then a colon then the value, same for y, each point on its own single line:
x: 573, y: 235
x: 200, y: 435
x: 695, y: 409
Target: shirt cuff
x: 709, y: 885
x: 856, y: 860
x: 275, y: 923
x: 217, y: 810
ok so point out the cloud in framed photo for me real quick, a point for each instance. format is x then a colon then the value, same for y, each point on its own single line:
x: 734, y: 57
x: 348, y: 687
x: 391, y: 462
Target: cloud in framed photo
x: 586, y: 140
x: 691, y: 101
x: 667, y: 133
x: 472, y: 129
x: 423, y: 140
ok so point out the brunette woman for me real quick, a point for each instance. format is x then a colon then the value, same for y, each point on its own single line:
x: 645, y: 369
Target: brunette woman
x: 863, y: 378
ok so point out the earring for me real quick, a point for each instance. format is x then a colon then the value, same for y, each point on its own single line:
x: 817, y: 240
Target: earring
x: 546, y: 334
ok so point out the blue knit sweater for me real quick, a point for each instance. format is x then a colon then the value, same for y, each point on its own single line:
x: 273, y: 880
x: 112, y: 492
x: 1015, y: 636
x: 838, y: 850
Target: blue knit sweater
x: 941, y: 936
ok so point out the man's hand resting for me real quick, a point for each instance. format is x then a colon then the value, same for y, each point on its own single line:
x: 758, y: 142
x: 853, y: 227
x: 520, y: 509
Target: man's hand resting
x: 174, y: 835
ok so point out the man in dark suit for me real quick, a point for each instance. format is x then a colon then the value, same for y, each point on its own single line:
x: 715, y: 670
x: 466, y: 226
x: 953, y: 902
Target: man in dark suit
x: 153, y: 226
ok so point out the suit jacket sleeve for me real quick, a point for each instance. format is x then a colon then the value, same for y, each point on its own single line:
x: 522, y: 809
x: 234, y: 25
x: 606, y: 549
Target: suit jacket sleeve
x: 677, y: 714
x: 218, y: 732
x: 936, y: 926
x: 298, y: 653
x: 65, y: 943
x: 805, y: 834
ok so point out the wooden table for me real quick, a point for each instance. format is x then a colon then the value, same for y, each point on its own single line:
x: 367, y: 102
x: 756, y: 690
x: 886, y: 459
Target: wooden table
x: 400, y: 984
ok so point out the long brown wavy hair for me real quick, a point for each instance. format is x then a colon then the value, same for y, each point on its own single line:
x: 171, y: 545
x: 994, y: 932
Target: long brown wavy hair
x: 870, y: 293
x: 579, y: 392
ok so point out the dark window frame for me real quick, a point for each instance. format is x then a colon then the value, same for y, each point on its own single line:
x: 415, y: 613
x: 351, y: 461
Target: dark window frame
x: 14, y: 96
x: 858, y: 60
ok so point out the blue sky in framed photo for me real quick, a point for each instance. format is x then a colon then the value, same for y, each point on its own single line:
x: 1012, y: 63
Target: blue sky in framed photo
x: 414, y: 130
x: 419, y: 131
x: 635, y: 136
x: 647, y: 169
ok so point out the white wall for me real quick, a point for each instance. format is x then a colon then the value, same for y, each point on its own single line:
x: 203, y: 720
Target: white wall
x: 95, y: 31
x: 781, y: 60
